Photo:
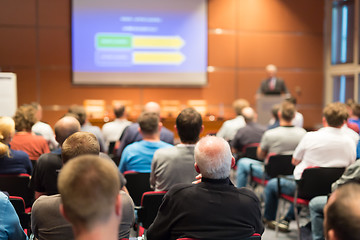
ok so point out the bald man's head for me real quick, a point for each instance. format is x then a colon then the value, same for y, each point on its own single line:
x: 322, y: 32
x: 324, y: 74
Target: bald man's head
x: 248, y: 114
x: 152, y: 107
x: 65, y: 127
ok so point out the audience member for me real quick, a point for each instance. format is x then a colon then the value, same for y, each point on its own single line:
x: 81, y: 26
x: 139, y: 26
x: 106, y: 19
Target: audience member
x: 91, y: 201
x: 46, y: 219
x: 176, y: 164
x: 11, y: 161
x: 274, y: 121
x: 10, y: 227
x: 230, y: 127
x: 354, y: 117
x: 43, y: 129
x: 24, y: 139
x: 132, y: 134
x: 138, y: 155
x: 272, y: 84
x: 112, y: 131
x: 44, y: 180
x: 317, y: 204
x: 212, y: 209
x: 327, y: 147
x: 80, y: 113
x: 280, y: 140
x: 352, y: 125
x: 251, y: 133
x: 298, y: 120
x: 342, y: 215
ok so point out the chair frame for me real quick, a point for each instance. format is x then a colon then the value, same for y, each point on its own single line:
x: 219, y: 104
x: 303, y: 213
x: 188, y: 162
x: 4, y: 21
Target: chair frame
x: 248, y: 151
x: 23, y: 213
x: 137, y: 184
x: 17, y: 185
x: 277, y: 164
x: 315, y: 181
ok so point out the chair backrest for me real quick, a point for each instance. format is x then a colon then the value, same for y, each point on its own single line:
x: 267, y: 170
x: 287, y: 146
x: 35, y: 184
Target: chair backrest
x: 17, y: 185
x: 19, y: 206
x: 250, y: 150
x: 317, y: 181
x: 279, y: 165
x: 255, y: 236
x: 150, y: 204
x: 137, y: 183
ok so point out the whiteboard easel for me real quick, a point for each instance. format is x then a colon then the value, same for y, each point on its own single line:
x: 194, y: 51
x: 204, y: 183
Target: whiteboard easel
x: 8, y: 96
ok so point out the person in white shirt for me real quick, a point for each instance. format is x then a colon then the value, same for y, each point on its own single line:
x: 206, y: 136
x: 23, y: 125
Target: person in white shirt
x: 44, y: 129
x: 230, y: 127
x: 330, y: 146
x: 112, y: 131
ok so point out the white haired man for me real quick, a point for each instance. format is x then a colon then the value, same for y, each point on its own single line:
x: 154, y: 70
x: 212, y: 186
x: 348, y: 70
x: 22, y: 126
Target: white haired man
x: 272, y: 84
x: 212, y: 209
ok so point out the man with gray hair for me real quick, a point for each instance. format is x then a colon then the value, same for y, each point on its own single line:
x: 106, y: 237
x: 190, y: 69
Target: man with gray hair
x: 272, y: 84
x: 212, y: 209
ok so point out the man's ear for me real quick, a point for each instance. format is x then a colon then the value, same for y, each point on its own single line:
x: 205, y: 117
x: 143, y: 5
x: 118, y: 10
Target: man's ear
x: 197, y: 168
x: 232, y: 162
x: 202, y: 128
x: 160, y: 126
x: 175, y: 128
x: 62, y: 211
x: 331, y: 235
x: 324, y: 122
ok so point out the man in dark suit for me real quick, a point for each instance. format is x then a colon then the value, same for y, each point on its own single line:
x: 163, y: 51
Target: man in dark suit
x: 273, y: 84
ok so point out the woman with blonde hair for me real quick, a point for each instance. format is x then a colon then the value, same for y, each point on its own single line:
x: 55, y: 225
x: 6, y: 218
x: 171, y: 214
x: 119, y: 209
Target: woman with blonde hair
x: 11, y: 161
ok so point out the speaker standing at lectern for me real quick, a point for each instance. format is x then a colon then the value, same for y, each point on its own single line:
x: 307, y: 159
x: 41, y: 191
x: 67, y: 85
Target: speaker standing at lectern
x: 272, y: 85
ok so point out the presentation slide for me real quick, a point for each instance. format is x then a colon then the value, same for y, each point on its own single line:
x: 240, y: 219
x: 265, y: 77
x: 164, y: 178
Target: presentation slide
x: 139, y: 42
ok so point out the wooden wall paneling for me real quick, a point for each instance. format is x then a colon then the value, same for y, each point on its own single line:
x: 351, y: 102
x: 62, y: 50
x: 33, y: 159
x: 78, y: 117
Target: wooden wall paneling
x: 220, y: 92
x: 18, y: 12
x: 26, y: 84
x: 54, y: 47
x: 285, y: 15
x: 56, y: 88
x: 54, y: 13
x: 248, y: 83
x: 18, y: 46
x: 222, y: 50
x: 222, y: 14
x: 283, y: 50
x: 309, y: 83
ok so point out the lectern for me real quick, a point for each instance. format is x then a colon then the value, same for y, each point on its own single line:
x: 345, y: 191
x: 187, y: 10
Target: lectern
x: 264, y: 105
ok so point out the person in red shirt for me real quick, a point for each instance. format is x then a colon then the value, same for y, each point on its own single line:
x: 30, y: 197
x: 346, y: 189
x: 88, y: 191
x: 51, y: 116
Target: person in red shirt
x: 24, y: 139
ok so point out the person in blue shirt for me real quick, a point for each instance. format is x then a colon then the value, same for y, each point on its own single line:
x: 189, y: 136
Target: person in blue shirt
x: 11, y: 161
x: 138, y: 155
x: 10, y: 227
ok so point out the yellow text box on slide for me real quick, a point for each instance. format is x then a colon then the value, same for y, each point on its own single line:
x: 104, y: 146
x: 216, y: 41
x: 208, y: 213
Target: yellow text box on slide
x: 158, y: 42
x: 158, y: 58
